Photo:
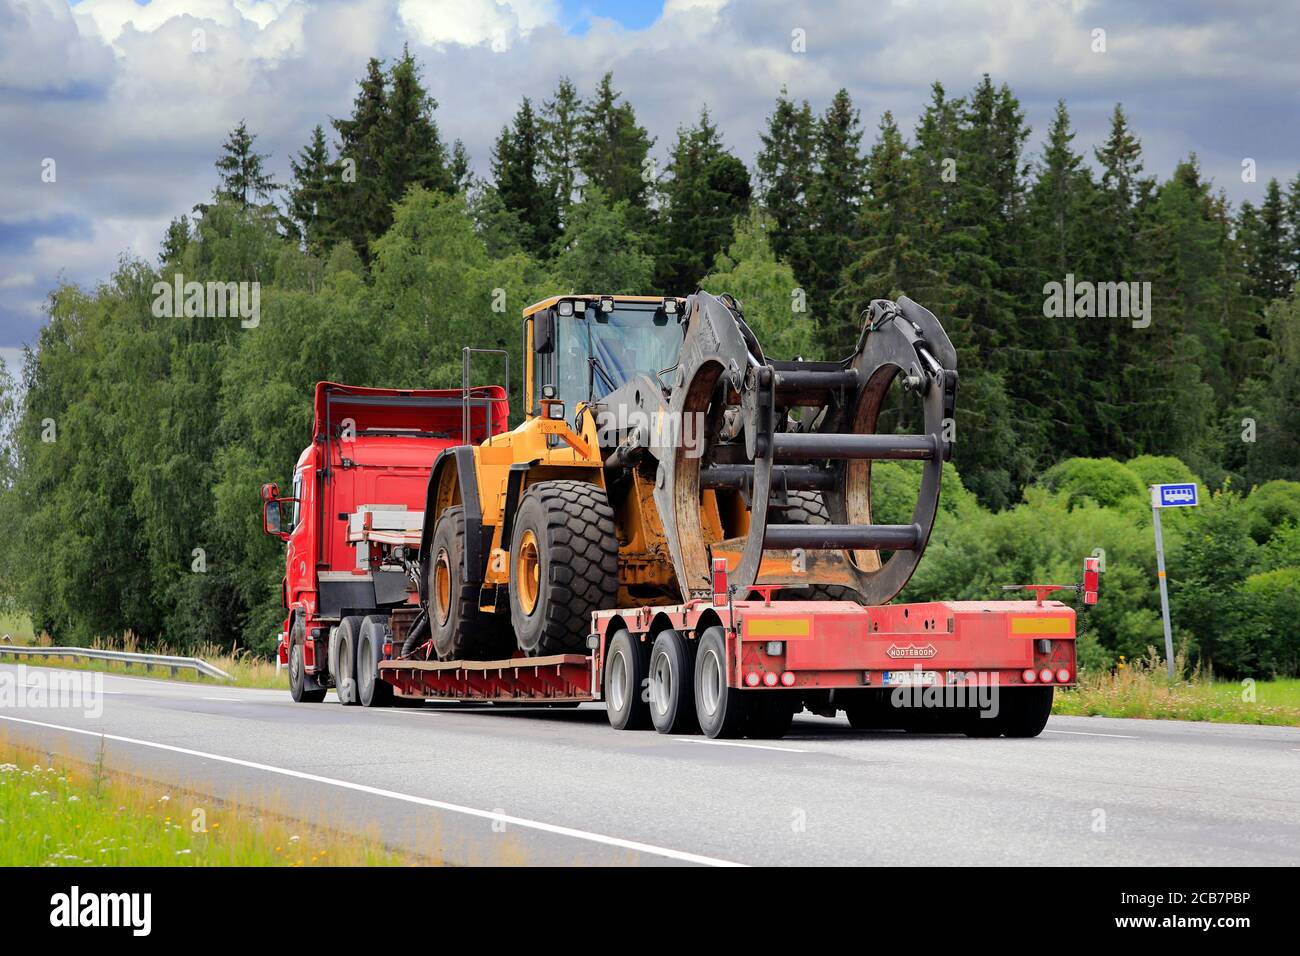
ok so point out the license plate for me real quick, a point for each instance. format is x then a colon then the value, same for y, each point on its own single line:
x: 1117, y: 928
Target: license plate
x: 911, y: 678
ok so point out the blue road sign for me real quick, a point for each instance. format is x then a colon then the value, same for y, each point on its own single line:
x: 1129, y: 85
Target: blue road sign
x: 1174, y: 496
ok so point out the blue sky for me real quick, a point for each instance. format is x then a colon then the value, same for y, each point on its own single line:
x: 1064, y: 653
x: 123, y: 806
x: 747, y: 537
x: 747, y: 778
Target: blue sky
x: 115, y: 92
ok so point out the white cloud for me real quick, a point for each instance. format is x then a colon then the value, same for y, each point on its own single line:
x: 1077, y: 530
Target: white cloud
x: 134, y: 115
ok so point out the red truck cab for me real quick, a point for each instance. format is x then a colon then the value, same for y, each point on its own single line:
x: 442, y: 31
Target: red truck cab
x: 372, y: 450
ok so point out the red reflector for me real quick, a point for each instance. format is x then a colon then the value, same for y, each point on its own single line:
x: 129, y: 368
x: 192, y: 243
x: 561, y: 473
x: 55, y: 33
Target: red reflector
x: 1045, y: 675
x: 788, y: 678
x: 752, y: 678
x: 1063, y: 676
x: 719, y: 582
x: 770, y: 678
x: 1029, y: 676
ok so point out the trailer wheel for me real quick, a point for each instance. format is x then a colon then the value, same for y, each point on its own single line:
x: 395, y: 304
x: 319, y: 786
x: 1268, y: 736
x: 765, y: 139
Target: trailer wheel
x: 672, y: 684
x: 345, y: 673
x: 1025, y: 711
x: 626, y: 666
x: 721, y: 709
x: 770, y: 714
x: 298, y: 688
x: 563, y: 565
x: 460, y: 630
x: 372, y: 691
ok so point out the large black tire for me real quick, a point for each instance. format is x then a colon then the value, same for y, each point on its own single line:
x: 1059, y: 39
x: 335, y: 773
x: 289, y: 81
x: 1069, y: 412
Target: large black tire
x: 298, y: 677
x: 869, y: 709
x: 459, y: 629
x: 721, y: 710
x: 807, y: 507
x: 371, y: 690
x: 672, y: 684
x: 627, y: 664
x: 1025, y: 710
x: 345, y: 659
x: 770, y: 714
x: 563, y: 565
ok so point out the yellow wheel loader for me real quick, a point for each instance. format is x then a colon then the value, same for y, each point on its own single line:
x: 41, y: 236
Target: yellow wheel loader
x: 658, y: 439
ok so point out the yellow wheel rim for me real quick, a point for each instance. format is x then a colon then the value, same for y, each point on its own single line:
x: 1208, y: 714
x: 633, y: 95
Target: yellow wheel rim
x: 528, y: 572
x: 442, y: 586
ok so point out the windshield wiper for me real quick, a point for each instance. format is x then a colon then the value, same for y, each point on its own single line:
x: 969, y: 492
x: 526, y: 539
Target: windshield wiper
x: 595, y: 365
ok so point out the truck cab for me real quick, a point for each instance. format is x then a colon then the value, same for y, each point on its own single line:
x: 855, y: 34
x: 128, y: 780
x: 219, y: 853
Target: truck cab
x: 365, y: 472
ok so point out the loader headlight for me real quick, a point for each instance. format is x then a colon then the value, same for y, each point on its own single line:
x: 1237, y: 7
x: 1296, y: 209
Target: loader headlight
x: 670, y: 306
x: 565, y: 307
x: 555, y: 410
x: 607, y: 303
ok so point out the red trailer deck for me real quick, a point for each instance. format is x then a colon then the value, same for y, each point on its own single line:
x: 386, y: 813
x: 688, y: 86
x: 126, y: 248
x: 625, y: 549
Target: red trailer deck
x: 897, y: 665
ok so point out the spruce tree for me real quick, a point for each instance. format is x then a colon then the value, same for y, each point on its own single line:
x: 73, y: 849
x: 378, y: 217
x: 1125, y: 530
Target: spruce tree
x: 517, y: 165
x: 310, y: 193
x: 242, y: 171
x: 706, y: 190
x: 561, y: 129
x: 785, y: 165
x: 613, y: 148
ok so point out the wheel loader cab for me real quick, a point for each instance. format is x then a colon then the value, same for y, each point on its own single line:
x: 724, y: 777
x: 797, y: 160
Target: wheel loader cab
x: 584, y: 347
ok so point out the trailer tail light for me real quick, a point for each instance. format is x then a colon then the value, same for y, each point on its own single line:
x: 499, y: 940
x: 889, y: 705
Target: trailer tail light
x: 752, y: 679
x: 1063, y: 676
x: 1045, y: 675
x: 719, y: 582
x: 788, y: 678
x: 1091, y: 579
x: 770, y: 678
x: 1030, y: 676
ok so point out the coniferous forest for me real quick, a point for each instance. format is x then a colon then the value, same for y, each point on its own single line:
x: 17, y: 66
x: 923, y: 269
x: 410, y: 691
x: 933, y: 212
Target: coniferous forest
x: 135, y: 445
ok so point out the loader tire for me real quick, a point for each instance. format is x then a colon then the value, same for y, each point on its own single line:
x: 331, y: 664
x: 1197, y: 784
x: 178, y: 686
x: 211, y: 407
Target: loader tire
x: 372, y: 691
x: 807, y: 507
x: 563, y: 565
x: 459, y: 629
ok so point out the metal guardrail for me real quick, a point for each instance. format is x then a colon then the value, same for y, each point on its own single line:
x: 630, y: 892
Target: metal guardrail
x: 148, y: 660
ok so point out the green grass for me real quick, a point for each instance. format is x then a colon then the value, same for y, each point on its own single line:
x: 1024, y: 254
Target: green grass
x: 18, y: 627
x: 1144, y: 691
x: 53, y: 814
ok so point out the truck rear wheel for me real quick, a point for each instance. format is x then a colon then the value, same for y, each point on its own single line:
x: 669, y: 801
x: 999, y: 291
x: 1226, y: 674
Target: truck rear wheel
x: 371, y: 690
x: 460, y: 630
x: 672, y: 684
x: 345, y: 659
x: 1025, y: 711
x: 563, y: 565
x: 298, y: 677
x: 721, y: 710
x: 626, y: 667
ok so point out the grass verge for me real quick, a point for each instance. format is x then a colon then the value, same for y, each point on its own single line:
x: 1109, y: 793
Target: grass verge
x: 55, y: 813
x: 245, y: 668
x: 1144, y: 690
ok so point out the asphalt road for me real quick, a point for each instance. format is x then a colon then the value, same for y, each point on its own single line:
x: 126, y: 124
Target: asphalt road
x: 510, y: 785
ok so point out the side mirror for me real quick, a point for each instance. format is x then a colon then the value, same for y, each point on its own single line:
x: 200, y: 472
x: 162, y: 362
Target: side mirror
x: 544, y: 332
x: 271, y: 518
x: 270, y: 490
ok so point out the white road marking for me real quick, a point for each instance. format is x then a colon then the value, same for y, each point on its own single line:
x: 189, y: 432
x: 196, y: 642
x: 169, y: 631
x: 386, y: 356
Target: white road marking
x: 1084, y: 733
x: 404, y: 797
x: 237, y: 700
x: 736, y: 743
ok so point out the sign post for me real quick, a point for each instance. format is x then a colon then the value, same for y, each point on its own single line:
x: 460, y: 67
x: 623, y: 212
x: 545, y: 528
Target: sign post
x: 1168, y: 496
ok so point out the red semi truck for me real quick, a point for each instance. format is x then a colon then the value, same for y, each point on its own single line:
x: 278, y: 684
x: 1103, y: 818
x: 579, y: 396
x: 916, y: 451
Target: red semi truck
x: 353, y: 526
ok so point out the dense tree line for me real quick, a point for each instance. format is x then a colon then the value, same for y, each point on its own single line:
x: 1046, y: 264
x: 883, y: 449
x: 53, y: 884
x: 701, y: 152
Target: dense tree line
x: 136, y: 443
